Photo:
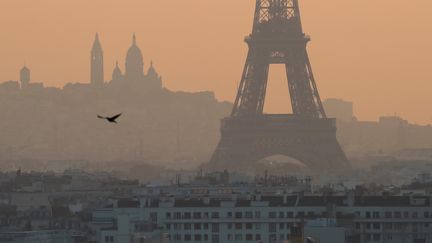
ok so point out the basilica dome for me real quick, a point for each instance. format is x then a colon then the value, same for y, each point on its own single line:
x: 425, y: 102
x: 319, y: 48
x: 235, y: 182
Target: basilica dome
x: 134, y: 62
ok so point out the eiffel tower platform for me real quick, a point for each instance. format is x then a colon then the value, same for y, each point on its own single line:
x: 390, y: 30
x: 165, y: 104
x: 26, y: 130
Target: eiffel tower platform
x: 246, y: 140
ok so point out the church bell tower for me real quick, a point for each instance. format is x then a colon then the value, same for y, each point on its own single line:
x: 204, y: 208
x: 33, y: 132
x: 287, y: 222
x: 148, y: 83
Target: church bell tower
x: 96, y: 59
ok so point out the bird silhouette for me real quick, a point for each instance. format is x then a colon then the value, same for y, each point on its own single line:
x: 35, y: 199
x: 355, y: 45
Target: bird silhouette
x: 110, y: 119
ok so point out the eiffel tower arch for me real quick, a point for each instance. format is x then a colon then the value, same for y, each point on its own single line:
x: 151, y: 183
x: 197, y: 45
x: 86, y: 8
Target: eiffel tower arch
x: 249, y: 135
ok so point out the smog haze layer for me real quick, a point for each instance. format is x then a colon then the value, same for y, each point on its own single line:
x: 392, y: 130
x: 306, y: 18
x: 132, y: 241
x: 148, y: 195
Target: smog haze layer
x: 375, y: 53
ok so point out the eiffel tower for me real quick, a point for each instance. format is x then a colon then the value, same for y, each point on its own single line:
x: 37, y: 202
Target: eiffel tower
x: 249, y: 135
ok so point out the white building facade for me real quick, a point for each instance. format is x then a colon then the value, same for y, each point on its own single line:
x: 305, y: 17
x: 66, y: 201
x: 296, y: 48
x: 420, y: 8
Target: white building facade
x: 272, y: 218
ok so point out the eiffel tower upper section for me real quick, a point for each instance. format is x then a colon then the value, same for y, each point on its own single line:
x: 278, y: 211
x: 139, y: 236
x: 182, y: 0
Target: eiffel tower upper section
x: 278, y: 38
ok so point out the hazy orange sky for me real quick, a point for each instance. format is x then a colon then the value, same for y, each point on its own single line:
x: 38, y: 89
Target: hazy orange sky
x: 375, y: 53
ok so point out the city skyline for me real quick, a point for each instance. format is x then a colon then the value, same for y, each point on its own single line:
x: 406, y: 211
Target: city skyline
x: 360, y: 71
x: 267, y: 121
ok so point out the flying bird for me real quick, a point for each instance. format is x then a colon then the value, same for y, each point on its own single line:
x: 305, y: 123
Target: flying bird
x: 110, y: 119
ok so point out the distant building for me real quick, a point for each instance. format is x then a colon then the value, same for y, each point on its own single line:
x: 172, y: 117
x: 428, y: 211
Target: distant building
x: 395, y: 121
x: 97, y: 63
x: 126, y: 230
x: 339, y: 109
x: 9, y: 86
x: 324, y: 230
x: 52, y: 236
x: 272, y: 218
x: 134, y: 70
x: 144, y: 99
x: 153, y: 76
x: 117, y: 74
x: 24, y: 77
x: 134, y: 62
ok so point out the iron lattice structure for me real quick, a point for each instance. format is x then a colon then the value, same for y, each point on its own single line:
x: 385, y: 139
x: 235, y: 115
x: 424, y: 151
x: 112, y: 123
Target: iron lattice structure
x: 278, y: 38
x: 249, y: 135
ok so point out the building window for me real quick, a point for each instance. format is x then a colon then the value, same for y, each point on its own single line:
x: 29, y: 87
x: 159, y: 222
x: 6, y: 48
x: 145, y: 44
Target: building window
x: 257, y: 226
x: 248, y: 226
x: 229, y: 215
x: 229, y: 226
x: 388, y: 215
x: 375, y: 215
x: 358, y: 226
x: 238, y: 215
x: 215, y: 215
x: 215, y: 228
x: 168, y: 226
x: 229, y: 237
x: 257, y: 237
x: 177, y: 226
x: 272, y: 227
x: 187, y: 215
x: 426, y: 215
x: 281, y: 215
x: 281, y: 226
x: 368, y: 225
x: 187, y: 226
x: 248, y: 215
x: 406, y: 215
x: 168, y: 215
x: 272, y: 215
x: 238, y: 226
x: 376, y: 226
x: 300, y: 214
x: 153, y: 217
x: 397, y: 215
x: 249, y: 237
x: 397, y: 226
x: 290, y: 215
x: 187, y: 237
x: 177, y: 215
x: 257, y: 214
x: 215, y: 239
x: 238, y: 237
x: 387, y: 226
x: 177, y: 237
x: 414, y: 215
x: 197, y: 226
x: 414, y: 227
x: 206, y: 237
x: 376, y: 237
x: 368, y: 215
x: 196, y: 215
x: 197, y: 237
